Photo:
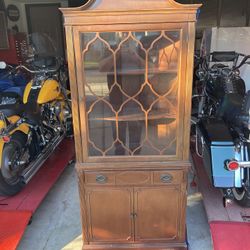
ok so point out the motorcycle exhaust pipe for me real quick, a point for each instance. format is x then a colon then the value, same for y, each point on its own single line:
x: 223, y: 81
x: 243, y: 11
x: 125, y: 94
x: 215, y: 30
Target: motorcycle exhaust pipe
x: 32, y: 169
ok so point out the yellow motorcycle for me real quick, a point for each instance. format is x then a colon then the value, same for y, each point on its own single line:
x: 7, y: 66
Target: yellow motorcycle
x: 29, y: 132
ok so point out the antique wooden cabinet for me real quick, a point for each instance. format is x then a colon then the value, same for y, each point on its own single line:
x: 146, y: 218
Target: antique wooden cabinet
x: 131, y: 65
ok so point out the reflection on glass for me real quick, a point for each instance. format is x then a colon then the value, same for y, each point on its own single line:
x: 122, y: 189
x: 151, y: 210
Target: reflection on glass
x: 163, y: 51
x: 131, y: 87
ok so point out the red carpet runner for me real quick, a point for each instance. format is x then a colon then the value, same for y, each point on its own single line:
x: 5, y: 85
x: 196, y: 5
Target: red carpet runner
x: 16, y: 211
x: 228, y: 235
x: 12, y: 227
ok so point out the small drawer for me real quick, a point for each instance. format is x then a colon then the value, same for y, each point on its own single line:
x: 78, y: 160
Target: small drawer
x: 99, y: 178
x: 167, y: 177
x: 133, y: 178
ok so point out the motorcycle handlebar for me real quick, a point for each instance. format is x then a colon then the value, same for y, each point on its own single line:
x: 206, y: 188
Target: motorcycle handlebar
x: 38, y: 71
x: 244, y: 60
x: 204, y: 65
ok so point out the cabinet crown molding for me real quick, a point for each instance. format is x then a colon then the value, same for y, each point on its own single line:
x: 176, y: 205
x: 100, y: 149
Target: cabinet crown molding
x: 131, y: 5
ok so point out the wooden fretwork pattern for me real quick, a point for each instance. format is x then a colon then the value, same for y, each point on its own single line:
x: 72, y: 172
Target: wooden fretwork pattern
x: 155, y: 56
x: 130, y: 65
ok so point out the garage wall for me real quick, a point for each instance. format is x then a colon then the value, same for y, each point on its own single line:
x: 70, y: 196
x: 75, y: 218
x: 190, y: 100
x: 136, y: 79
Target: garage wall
x: 22, y: 22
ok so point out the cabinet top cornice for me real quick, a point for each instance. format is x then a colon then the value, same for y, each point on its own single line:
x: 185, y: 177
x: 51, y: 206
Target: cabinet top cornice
x: 130, y: 5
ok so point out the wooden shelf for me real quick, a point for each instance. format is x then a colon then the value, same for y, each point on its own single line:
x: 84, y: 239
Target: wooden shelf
x: 131, y: 71
x: 137, y: 117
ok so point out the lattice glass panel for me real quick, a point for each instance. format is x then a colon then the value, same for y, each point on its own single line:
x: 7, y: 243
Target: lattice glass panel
x: 131, y: 88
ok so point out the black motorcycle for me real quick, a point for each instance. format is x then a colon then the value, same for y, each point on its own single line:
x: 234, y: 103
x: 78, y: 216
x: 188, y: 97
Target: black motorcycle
x: 223, y: 124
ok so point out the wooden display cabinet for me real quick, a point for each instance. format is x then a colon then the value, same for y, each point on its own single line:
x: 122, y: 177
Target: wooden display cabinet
x: 131, y: 66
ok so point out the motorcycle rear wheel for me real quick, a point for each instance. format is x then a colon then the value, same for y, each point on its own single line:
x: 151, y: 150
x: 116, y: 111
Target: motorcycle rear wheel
x: 242, y: 196
x: 10, y: 178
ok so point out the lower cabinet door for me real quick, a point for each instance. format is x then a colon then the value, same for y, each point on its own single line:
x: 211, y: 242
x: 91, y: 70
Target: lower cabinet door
x: 110, y: 213
x: 157, y: 213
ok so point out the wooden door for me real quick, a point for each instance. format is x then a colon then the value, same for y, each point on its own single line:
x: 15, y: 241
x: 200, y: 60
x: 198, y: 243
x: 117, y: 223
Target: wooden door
x: 130, y: 107
x: 157, y: 211
x: 110, y: 214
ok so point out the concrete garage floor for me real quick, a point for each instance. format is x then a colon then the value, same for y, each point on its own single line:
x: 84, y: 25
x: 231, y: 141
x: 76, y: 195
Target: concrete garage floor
x: 56, y: 224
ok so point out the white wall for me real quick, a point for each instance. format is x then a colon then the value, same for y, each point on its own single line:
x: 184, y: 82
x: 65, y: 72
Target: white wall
x: 233, y: 39
x: 22, y: 22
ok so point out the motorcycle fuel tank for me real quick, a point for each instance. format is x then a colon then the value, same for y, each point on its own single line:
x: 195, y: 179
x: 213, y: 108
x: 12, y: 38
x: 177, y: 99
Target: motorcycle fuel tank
x: 218, y: 147
x: 50, y: 91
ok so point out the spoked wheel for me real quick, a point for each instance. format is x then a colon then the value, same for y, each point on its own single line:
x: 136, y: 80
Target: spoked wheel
x: 10, y: 169
x: 242, y: 196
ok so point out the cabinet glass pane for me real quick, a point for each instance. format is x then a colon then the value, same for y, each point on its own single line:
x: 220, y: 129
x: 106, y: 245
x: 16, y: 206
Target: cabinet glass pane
x: 131, y: 87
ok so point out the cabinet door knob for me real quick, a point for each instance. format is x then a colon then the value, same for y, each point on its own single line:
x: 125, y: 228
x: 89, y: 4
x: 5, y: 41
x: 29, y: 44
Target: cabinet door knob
x: 166, y: 178
x: 133, y: 215
x: 101, y: 179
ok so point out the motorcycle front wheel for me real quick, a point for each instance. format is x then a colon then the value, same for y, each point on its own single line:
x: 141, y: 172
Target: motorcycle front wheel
x: 10, y: 172
x: 242, y: 196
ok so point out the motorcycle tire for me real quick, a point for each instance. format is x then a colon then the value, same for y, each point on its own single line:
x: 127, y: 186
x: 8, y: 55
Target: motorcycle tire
x: 10, y: 178
x: 242, y: 196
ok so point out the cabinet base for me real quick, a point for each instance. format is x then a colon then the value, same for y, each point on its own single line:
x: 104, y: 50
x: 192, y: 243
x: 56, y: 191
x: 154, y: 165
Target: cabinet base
x: 151, y: 246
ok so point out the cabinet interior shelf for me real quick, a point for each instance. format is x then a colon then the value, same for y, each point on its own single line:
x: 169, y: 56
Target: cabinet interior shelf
x: 132, y: 71
x: 137, y: 117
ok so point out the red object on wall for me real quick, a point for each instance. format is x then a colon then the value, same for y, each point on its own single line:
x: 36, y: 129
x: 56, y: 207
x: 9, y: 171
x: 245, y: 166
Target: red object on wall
x: 17, y: 49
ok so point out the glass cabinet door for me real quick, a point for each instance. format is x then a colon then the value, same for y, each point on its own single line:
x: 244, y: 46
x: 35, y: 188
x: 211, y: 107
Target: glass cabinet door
x: 131, y: 85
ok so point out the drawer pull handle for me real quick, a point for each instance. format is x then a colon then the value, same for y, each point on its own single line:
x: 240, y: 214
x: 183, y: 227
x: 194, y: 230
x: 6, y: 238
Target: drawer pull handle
x: 101, y: 179
x: 166, y: 178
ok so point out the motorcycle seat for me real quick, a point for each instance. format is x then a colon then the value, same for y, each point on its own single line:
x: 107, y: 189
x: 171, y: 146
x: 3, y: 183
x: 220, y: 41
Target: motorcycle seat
x: 230, y: 107
x: 11, y: 109
x: 29, y: 112
x: 32, y: 113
